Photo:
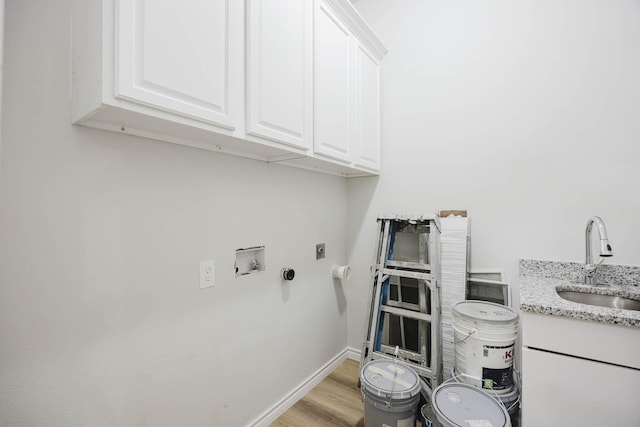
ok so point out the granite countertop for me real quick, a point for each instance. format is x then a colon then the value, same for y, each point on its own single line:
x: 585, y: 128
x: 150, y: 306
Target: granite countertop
x: 539, y: 280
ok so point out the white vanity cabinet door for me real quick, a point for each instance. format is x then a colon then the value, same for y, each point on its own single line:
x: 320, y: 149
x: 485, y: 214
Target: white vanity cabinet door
x: 367, y: 107
x: 183, y: 57
x: 579, y: 373
x: 279, y: 71
x: 333, y: 133
x: 560, y: 390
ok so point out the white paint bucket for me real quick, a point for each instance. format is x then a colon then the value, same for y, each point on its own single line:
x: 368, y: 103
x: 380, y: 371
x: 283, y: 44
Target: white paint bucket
x: 391, y: 392
x: 463, y: 405
x: 484, y: 341
x: 510, y: 400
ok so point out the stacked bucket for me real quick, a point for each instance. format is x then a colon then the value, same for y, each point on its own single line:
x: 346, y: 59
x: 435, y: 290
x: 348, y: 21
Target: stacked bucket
x: 461, y: 405
x: 391, y: 392
x: 482, y: 385
x: 485, y: 335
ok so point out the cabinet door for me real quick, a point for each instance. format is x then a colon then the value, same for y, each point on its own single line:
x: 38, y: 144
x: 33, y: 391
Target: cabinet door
x: 183, y: 57
x: 367, y: 109
x: 333, y: 133
x: 559, y: 390
x: 279, y: 73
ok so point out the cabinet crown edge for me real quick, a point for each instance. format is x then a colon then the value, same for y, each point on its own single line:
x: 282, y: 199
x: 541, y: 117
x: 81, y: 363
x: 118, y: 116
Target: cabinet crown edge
x: 358, y: 25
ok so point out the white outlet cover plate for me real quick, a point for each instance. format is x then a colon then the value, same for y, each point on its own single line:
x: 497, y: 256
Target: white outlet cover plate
x: 207, y: 274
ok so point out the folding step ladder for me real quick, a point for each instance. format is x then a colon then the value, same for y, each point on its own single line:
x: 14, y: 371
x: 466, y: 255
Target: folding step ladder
x: 404, y: 316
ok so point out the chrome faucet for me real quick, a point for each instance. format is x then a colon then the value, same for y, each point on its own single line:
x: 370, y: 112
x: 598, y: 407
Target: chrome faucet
x: 605, y: 249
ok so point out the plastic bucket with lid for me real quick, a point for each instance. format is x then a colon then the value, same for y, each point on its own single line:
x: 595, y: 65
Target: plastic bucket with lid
x: 463, y: 405
x: 509, y: 400
x: 485, y: 335
x: 391, y: 391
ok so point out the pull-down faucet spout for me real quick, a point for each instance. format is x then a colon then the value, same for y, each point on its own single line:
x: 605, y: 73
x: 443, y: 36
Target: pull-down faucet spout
x: 605, y: 249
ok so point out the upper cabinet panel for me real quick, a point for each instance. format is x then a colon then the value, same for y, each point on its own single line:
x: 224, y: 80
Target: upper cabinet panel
x: 367, y: 109
x: 294, y: 82
x: 176, y: 56
x: 333, y: 85
x: 279, y: 73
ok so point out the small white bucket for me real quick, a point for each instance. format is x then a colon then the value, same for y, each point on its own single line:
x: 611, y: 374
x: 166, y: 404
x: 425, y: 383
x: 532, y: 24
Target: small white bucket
x: 509, y: 400
x: 391, y: 392
x: 463, y: 405
x: 484, y: 341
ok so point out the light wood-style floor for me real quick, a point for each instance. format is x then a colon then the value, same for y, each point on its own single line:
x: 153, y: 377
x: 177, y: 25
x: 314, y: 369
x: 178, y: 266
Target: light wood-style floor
x: 336, y: 401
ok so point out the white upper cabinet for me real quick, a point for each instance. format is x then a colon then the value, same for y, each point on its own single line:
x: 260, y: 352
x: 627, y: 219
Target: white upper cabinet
x: 159, y: 69
x: 289, y: 81
x: 279, y: 71
x: 333, y: 135
x: 367, y: 109
x: 347, y: 87
x: 178, y: 56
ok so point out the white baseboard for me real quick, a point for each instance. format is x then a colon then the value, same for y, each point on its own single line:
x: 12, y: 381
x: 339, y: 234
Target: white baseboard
x: 352, y: 353
x: 271, y: 414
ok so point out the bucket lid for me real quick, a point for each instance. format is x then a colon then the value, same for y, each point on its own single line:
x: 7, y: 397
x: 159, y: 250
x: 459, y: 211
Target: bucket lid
x: 484, y: 311
x: 506, y: 398
x: 457, y: 404
x: 390, y: 379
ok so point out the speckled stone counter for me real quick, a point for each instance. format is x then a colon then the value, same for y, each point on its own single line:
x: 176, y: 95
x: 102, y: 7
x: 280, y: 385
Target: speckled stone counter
x: 539, y: 280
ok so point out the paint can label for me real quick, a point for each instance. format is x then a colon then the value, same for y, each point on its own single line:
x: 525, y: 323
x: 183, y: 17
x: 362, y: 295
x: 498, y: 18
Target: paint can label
x: 497, y: 379
x: 497, y: 367
x: 497, y: 355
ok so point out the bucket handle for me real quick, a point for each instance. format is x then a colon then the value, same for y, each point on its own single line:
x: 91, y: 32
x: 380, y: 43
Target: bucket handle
x: 465, y: 338
x: 395, y: 372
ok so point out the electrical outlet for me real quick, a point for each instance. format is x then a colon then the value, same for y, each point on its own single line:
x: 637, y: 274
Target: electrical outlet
x: 207, y: 274
x: 319, y: 251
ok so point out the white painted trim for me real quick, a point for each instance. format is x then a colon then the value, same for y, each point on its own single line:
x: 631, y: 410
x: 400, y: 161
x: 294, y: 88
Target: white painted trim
x: 358, y: 26
x: 271, y: 414
x: 353, y: 353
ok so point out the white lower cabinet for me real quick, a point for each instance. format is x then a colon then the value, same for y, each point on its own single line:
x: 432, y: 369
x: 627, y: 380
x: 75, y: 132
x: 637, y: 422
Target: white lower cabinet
x: 579, y: 373
x: 233, y: 76
x: 560, y: 390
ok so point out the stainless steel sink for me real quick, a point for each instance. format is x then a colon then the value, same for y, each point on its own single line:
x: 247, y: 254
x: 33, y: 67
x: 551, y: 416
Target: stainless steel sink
x: 610, y: 301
